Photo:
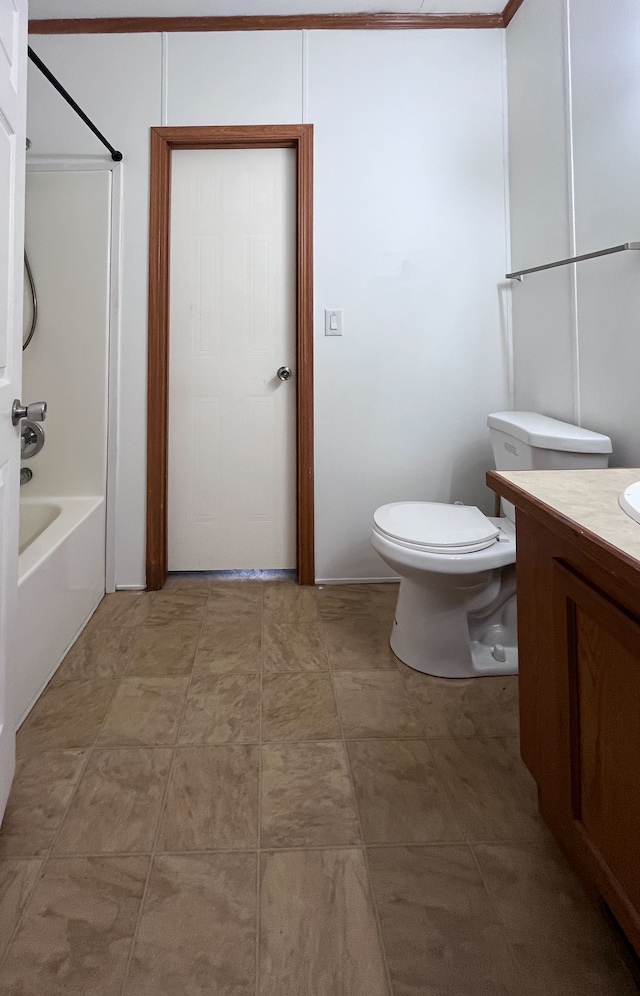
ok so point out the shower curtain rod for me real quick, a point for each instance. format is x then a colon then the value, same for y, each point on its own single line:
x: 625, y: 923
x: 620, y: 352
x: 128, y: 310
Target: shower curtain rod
x: 519, y: 274
x: 115, y: 155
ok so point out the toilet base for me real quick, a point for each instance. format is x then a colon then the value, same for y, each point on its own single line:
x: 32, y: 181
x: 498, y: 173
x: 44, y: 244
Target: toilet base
x: 441, y: 631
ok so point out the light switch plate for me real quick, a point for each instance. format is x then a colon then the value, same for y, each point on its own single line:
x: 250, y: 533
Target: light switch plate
x: 333, y: 321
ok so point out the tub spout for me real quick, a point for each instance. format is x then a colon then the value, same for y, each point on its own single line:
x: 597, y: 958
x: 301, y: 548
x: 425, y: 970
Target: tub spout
x: 25, y: 475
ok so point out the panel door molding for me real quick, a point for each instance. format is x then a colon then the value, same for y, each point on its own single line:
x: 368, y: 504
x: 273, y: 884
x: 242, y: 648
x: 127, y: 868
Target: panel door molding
x: 600, y: 644
x: 163, y: 142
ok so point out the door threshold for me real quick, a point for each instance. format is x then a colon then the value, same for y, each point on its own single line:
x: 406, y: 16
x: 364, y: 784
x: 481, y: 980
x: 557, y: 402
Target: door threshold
x: 254, y: 574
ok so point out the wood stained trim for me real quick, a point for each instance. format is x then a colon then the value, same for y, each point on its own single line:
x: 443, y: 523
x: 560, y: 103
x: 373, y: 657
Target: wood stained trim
x: 163, y: 141
x: 158, y: 361
x: 510, y: 11
x: 277, y: 22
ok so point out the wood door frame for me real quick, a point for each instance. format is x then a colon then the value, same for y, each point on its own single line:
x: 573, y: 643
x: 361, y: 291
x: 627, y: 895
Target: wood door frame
x: 163, y: 142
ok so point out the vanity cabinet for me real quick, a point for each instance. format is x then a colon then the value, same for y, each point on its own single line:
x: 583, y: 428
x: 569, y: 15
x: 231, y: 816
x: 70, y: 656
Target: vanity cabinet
x: 579, y: 664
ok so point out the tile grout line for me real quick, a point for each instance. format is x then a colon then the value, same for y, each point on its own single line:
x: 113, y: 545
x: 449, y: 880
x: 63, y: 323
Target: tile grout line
x: 503, y: 930
x: 449, y: 795
x: 275, y: 849
x: 49, y: 852
x: 44, y: 859
x: 134, y: 646
x: 466, y: 842
x: 259, y: 815
x: 363, y: 849
x: 152, y: 855
x: 420, y: 738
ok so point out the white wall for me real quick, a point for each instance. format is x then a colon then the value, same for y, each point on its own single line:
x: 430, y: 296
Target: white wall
x: 409, y: 241
x: 574, y: 146
x: 67, y: 235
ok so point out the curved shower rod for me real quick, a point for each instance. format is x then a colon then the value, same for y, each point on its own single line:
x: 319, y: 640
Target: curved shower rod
x: 37, y: 61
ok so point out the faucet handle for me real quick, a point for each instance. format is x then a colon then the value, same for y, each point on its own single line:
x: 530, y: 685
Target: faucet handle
x: 36, y: 411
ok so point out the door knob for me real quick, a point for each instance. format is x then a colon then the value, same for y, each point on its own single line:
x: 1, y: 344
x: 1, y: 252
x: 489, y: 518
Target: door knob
x: 36, y: 411
x: 284, y: 373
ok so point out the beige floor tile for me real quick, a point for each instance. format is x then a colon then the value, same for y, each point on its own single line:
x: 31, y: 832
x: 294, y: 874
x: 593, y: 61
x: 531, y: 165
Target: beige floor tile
x: 212, y: 800
x: 552, y: 970
x: 318, y: 931
x: 165, y: 647
x: 222, y: 708
x: 375, y: 705
x: 399, y: 793
x: 561, y: 941
x: 292, y: 635
x: 17, y: 879
x: 68, y: 714
x: 338, y: 601
x: 167, y: 642
x: 467, y: 707
x: 503, y: 692
x: 306, y: 796
x: 384, y: 598
x: 117, y: 804
x: 494, y: 796
x: 103, y: 648
x: 180, y: 600
x: 77, y: 931
x: 299, y: 707
x: 197, y: 932
x: 145, y: 712
x: 231, y: 635
x: 355, y: 629
x: 197, y: 584
x: 41, y: 791
x: 439, y: 930
x: 358, y: 643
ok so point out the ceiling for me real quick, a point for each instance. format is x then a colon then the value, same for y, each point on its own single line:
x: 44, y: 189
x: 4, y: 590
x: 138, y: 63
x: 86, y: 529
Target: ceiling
x: 39, y: 9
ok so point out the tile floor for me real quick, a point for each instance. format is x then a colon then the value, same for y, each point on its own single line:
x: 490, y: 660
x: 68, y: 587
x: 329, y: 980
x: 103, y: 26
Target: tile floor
x: 234, y: 788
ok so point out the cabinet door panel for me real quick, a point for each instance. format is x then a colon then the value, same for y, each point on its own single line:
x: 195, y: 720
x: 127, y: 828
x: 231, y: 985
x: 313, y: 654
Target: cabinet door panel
x: 602, y: 644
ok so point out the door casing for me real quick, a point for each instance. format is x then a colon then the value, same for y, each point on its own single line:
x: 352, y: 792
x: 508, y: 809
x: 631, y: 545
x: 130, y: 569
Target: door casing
x: 163, y: 142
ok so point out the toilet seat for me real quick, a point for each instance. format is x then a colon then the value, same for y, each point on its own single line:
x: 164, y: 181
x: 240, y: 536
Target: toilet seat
x: 435, y: 527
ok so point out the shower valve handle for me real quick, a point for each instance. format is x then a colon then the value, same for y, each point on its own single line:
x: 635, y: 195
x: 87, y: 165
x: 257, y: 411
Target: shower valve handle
x: 36, y: 411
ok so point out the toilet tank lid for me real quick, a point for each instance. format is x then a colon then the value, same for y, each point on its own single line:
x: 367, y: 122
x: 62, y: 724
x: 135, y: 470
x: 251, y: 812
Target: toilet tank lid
x: 549, y: 433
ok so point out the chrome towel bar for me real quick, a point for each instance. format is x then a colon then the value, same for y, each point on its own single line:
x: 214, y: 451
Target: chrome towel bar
x: 519, y: 274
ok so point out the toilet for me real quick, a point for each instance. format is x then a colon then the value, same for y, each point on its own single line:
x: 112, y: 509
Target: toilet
x: 456, y: 611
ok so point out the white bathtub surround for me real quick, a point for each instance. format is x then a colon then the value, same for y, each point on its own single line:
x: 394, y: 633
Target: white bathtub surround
x: 63, y: 508
x: 35, y: 517
x: 60, y: 583
x: 67, y: 234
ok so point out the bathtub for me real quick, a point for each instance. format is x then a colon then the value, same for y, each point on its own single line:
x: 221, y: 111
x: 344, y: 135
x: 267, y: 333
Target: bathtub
x: 61, y: 571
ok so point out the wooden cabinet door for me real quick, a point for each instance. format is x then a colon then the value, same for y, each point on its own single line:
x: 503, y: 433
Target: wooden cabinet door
x: 600, y: 644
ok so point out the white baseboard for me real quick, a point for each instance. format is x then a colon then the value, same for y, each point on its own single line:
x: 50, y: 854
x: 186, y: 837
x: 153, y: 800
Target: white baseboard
x: 131, y: 587
x: 395, y: 579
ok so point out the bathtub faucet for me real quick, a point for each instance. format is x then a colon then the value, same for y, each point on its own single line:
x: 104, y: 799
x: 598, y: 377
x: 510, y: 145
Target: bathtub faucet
x: 25, y: 475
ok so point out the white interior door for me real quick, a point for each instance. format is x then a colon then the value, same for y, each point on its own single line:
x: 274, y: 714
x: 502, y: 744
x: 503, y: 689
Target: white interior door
x: 13, y: 54
x: 232, y: 487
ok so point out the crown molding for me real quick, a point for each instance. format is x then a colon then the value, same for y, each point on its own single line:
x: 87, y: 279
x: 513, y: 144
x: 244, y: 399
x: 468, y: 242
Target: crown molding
x: 288, y: 22
x: 510, y: 10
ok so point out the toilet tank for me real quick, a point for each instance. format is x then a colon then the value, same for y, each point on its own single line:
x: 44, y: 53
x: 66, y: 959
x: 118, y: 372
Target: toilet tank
x: 528, y: 441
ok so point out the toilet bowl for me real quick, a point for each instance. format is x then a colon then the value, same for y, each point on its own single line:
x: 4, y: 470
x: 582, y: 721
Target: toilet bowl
x: 456, y: 611
x: 455, y: 615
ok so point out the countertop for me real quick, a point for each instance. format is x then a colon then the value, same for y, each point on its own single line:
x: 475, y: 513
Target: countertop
x: 587, y: 500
